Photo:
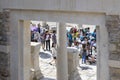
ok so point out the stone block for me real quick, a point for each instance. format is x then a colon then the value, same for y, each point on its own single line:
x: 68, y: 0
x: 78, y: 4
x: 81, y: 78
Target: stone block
x: 4, y: 43
x: 4, y: 57
x: 4, y: 66
x: 4, y: 38
x: 114, y: 56
x: 4, y: 51
x: 113, y: 27
x: 119, y: 44
x: 112, y: 18
x: 114, y: 63
x: 35, y: 48
x: 118, y: 50
x: 114, y: 36
x: 114, y: 73
x: 73, y: 62
x: 1, y: 15
x: 112, y: 47
x: 1, y: 21
x: 6, y: 14
x: 115, y: 78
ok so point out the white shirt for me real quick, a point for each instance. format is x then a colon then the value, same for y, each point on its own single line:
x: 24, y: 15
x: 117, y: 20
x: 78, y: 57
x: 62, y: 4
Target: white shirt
x: 47, y: 37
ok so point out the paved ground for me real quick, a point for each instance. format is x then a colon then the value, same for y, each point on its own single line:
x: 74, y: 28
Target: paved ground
x: 87, y: 72
x: 48, y: 70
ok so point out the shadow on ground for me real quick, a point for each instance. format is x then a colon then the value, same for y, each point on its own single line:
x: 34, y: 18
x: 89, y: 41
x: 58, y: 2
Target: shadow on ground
x: 85, y: 67
x: 44, y: 55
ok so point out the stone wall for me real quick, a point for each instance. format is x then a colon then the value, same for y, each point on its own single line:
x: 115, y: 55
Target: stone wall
x: 4, y: 46
x: 113, y: 27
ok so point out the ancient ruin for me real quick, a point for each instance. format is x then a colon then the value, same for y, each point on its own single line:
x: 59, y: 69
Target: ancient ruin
x: 15, y: 49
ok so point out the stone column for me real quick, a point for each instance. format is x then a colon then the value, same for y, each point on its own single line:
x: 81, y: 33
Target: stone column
x: 14, y: 53
x: 103, y: 54
x: 20, y: 49
x: 73, y: 63
x: 26, y: 50
x: 62, y: 64
x: 35, y: 47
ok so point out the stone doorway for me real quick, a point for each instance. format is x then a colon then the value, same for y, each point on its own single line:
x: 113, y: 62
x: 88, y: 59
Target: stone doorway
x: 24, y: 58
x: 26, y: 51
x: 18, y: 45
x: 30, y: 61
x: 88, y: 70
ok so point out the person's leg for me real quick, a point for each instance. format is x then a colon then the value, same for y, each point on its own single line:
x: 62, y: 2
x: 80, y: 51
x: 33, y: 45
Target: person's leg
x: 53, y: 62
x: 46, y: 45
x: 91, y: 50
x: 70, y: 43
x: 82, y: 59
x: 49, y: 44
x: 85, y: 59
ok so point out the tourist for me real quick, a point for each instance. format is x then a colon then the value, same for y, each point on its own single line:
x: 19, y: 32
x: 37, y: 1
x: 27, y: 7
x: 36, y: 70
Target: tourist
x: 54, y: 40
x: 47, y: 27
x: 36, y: 36
x: 70, y: 39
x: 94, y: 34
x: 39, y: 28
x: 32, y: 36
x: 47, y: 40
x: 84, y: 53
x: 54, y: 55
x: 42, y: 38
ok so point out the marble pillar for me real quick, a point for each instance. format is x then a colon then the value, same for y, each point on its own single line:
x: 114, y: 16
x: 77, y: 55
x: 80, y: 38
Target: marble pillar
x: 20, y: 49
x: 62, y: 64
x: 35, y: 48
x: 25, y: 45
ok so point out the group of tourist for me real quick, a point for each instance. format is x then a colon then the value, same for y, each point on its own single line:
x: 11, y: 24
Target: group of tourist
x: 43, y: 35
x: 85, y: 41
x: 82, y: 39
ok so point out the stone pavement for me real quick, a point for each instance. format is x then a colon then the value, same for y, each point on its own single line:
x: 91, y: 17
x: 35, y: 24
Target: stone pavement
x: 87, y: 72
x: 48, y: 70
